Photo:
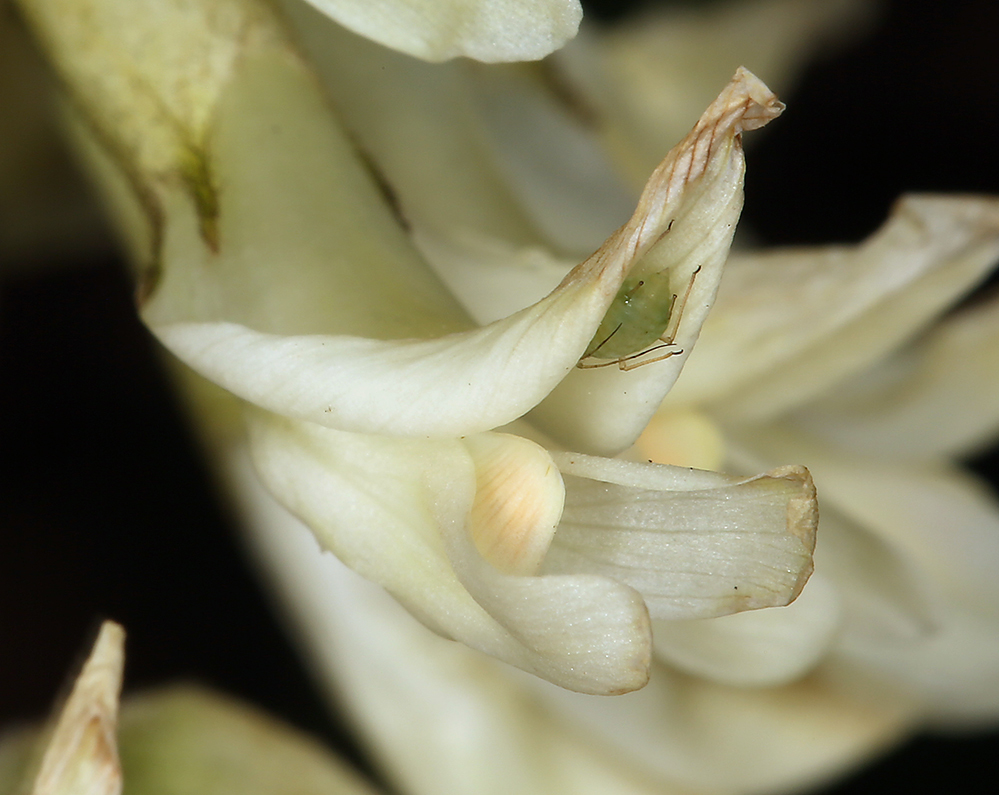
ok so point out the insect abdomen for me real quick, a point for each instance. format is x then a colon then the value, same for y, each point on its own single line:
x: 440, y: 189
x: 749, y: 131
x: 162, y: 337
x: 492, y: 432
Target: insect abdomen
x: 637, y: 318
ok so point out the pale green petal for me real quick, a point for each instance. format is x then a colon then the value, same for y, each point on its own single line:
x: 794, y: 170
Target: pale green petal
x: 763, y: 648
x: 694, y: 544
x: 789, y: 324
x: 476, y: 380
x: 487, y: 30
x: 190, y: 741
x: 685, y: 218
x: 397, y: 511
x: 185, y: 740
x: 488, y: 729
x: 649, y: 76
x: 938, y: 397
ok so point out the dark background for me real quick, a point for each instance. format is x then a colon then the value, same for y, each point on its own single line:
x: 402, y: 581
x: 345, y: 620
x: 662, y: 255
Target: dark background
x: 105, y: 505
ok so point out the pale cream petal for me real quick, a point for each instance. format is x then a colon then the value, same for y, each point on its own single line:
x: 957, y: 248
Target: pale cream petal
x: 471, y: 381
x: 486, y: 729
x: 397, y: 512
x: 694, y: 544
x: 789, y: 324
x: 487, y: 30
x: 684, y: 223
x: 82, y: 755
x: 762, y: 648
x: 492, y: 278
x: 554, y: 163
x: 649, y: 76
x: 939, y: 397
x: 952, y: 673
x: 479, y: 729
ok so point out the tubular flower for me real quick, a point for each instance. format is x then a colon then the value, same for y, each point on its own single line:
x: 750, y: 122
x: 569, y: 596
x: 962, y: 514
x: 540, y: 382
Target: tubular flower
x: 388, y: 263
x: 271, y: 264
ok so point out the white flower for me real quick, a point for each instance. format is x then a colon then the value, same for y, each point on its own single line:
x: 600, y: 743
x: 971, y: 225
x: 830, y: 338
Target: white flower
x: 425, y: 438
x: 274, y: 268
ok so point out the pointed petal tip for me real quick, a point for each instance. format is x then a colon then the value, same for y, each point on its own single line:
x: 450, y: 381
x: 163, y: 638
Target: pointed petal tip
x: 762, y: 105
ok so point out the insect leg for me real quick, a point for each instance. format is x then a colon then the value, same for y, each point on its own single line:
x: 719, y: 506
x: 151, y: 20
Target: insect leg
x: 674, y: 317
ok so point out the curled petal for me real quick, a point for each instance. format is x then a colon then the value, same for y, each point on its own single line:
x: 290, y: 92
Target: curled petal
x: 789, y: 324
x: 693, y: 550
x: 487, y: 30
x: 466, y: 381
x: 413, y: 499
x: 682, y: 231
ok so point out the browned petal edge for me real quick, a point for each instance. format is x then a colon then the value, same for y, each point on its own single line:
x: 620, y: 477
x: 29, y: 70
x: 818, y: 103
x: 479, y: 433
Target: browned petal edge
x: 802, y: 514
x: 744, y: 104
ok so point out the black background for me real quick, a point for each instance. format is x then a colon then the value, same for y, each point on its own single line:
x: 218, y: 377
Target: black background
x: 106, y: 509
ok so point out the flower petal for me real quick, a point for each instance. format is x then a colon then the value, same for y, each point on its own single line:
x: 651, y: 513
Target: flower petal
x: 413, y: 499
x: 82, y: 755
x: 456, y: 384
x: 943, y: 526
x: 485, y: 728
x: 789, y: 324
x: 762, y: 648
x: 937, y: 398
x: 479, y: 730
x: 710, y: 737
x: 420, y: 125
x: 682, y: 231
x: 694, y: 544
x: 487, y: 30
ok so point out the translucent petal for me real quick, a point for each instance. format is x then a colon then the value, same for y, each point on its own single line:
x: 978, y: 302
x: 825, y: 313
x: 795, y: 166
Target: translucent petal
x: 480, y: 730
x: 396, y: 511
x: 716, y: 738
x: 939, y: 397
x: 487, y: 30
x: 762, y: 648
x: 495, y: 151
x: 307, y: 246
x: 694, y: 544
x: 789, y: 324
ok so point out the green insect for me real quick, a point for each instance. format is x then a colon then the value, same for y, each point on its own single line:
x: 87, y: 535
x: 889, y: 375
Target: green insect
x: 642, y: 319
